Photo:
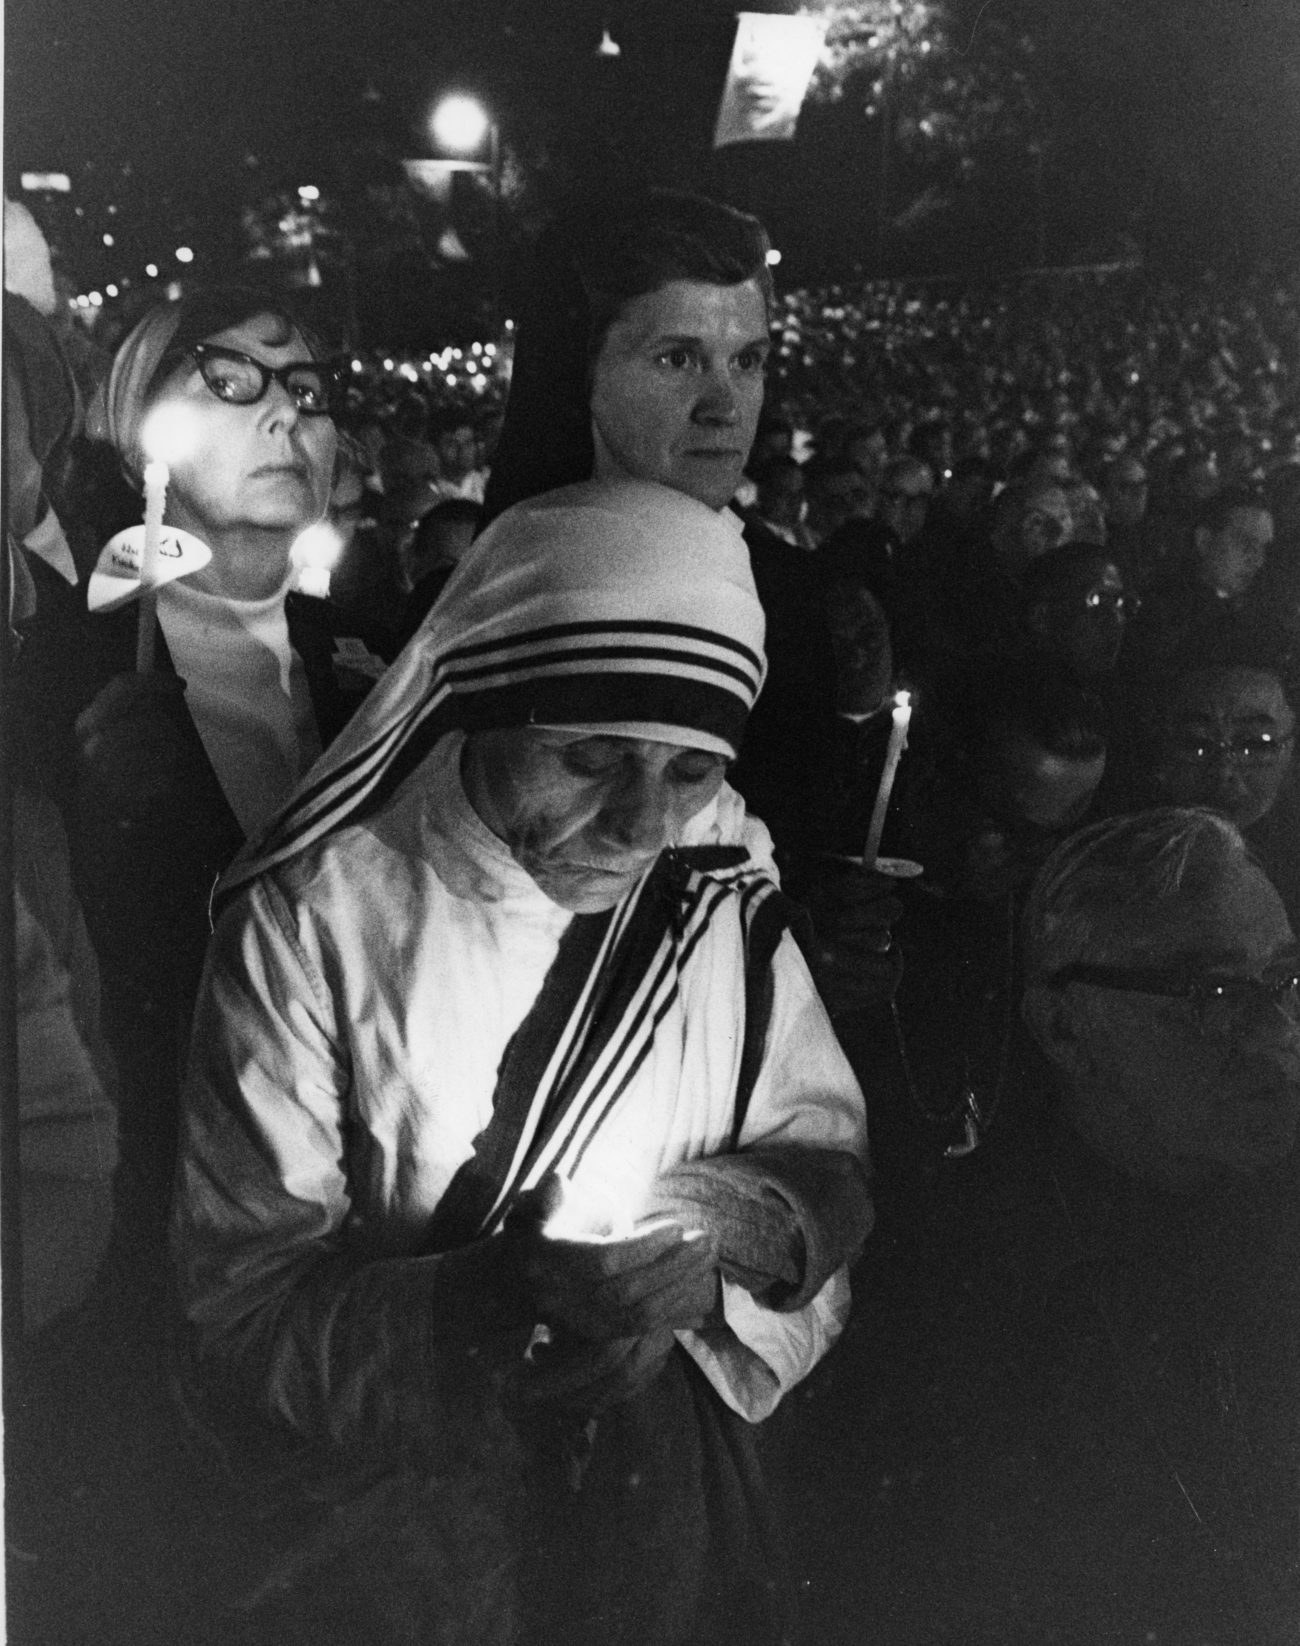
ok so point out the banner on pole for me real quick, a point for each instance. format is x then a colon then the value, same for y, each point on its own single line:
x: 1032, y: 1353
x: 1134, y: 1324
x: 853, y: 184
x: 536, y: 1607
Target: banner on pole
x: 771, y: 65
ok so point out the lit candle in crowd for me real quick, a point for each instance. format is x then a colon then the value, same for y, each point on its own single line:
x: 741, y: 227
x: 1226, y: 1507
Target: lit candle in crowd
x: 897, y: 743
x: 167, y: 436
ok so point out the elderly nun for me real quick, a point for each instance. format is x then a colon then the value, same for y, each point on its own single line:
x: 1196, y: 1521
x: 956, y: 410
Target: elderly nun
x: 520, y: 1165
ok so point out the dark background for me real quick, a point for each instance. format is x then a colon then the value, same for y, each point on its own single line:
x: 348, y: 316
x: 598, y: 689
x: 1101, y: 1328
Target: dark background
x: 1171, y: 125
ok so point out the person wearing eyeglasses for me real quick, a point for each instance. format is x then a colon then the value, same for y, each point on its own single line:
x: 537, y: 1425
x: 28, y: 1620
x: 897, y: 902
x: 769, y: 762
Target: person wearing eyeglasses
x: 1076, y: 609
x: 175, y: 768
x: 1144, y: 1197
x: 1161, y: 984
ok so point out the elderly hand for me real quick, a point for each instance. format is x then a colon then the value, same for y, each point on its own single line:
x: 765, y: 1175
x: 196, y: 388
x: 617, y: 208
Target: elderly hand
x: 853, y: 913
x: 663, y: 1277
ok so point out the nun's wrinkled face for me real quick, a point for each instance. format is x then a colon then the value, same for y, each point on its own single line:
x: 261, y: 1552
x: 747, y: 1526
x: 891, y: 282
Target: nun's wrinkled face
x: 256, y: 472
x: 678, y: 385
x: 586, y: 815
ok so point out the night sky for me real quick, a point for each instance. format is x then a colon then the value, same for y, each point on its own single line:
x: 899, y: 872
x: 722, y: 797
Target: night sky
x: 1181, y: 117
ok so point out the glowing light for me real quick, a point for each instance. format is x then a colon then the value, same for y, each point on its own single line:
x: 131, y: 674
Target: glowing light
x: 151, y: 269
x: 111, y: 291
x: 308, y: 191
x: 773, y: 257
x: 388, y: 365
x: 460, y: 123
x: 169, y: 433
x: 108, y: 239
x: 608, y: 47
x: 318, y: 545
x: 589, y: 1212
x: 96, y: 300
x: 357, y: 366
x: 184, y: 254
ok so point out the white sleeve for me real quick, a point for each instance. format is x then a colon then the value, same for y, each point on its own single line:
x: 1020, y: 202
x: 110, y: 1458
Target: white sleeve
x: 806, y: 1092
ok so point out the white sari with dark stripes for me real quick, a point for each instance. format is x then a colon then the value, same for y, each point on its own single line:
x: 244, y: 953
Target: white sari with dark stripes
x: 357, y: 1007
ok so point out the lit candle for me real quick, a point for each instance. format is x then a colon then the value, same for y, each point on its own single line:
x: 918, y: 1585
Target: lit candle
x: 167, y: 435
x: 589, y: 1212
x: 897, y: 743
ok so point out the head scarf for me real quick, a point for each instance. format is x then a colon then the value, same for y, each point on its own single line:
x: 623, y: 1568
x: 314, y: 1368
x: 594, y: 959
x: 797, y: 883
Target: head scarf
x: 117, y: 411
x: 619, y: 605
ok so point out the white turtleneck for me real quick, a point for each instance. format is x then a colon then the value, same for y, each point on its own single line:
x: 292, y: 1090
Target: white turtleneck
x: 247, y: 692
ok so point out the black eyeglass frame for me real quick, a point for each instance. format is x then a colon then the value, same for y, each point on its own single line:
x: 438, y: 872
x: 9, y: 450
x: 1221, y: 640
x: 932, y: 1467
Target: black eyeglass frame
x: 324, y: 370
x: 1199, y: 990
x: 1263, y: 749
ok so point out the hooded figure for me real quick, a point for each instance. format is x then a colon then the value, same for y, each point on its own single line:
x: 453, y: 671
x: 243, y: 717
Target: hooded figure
x: 520, y: 1165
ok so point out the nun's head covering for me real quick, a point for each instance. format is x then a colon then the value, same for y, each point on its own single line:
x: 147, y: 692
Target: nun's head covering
x: 586, y: 270
x: 620, y: 606
x: 152, y: 350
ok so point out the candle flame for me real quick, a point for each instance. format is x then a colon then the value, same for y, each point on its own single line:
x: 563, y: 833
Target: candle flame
x: 169, y: 433
x: 589, y: 1211
x: 317, y: 545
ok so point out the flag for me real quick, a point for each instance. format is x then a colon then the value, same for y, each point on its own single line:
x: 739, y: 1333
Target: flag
x: 771, y: 65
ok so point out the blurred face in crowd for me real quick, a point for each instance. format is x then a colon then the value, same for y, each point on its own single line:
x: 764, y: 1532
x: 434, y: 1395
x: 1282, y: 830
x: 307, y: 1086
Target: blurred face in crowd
x: 780, y: 496
x: 864, y: 662
x: 1053, y: 467
x: 1036, y: 521
x: 905, y: 502
x: 1225, y: 742
x: 1180, y: 1090
x: 255, y: 474
x: 1124, y: 496
x: 868, y: 453
x: 678, y: 386
x: 457, y: 451
x: 834, y: 499
x: 585, y: 816
x: 1081, y: 616
x: 1231, y: 556
x: 1028, y: 784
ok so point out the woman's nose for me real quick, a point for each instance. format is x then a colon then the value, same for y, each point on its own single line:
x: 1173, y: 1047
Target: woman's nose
x: 636, y: 814
x: 280, y: 408
x: 717, y: 401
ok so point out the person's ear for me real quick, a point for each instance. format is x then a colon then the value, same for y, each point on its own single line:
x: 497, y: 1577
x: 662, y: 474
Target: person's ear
x: 1060, y: 1029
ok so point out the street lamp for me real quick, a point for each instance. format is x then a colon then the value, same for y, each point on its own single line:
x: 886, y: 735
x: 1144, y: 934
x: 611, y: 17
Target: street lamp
x: 462, y: 128
x: 461, y: 124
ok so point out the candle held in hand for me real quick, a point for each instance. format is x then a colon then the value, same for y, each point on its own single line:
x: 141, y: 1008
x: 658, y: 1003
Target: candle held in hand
x: 902, y: 719
x: 156, y: 476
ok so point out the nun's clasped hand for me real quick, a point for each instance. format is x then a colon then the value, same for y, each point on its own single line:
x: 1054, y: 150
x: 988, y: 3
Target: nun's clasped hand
x: 663, y: 1277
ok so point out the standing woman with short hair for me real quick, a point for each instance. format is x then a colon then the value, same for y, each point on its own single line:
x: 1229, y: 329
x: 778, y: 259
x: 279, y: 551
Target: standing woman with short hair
x: 176, y: 767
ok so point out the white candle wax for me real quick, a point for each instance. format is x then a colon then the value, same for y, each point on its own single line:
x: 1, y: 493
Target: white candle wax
x: 902, y: 718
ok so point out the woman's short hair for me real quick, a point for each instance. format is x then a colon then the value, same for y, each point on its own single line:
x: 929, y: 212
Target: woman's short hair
x: 661, y: 236
x: 1104, y: 888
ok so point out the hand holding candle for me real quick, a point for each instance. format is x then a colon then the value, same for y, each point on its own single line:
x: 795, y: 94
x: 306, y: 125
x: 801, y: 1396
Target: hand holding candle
x: 599, y: 1286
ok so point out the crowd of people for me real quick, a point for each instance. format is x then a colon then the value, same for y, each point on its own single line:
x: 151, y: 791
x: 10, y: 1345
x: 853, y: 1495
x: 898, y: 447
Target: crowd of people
x: 455, y: 994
